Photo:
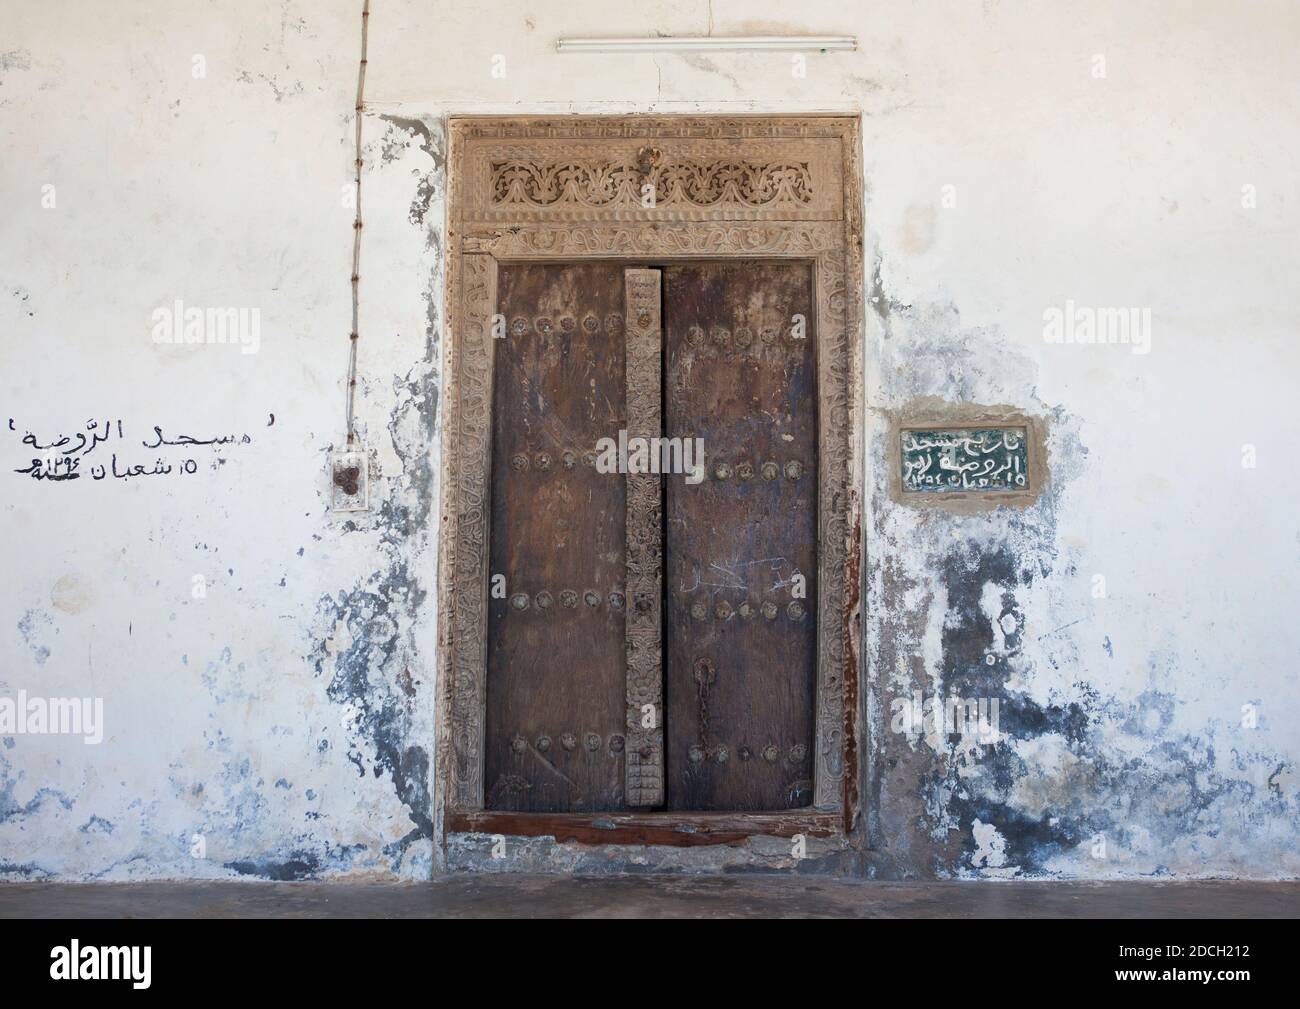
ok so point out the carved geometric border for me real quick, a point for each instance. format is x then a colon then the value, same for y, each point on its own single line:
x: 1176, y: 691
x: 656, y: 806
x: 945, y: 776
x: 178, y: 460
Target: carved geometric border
x: 478, y: 244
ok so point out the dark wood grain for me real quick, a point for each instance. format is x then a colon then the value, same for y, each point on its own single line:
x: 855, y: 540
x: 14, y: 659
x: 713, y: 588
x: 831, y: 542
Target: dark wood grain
x: 556, y: 673
x: 740, y: 683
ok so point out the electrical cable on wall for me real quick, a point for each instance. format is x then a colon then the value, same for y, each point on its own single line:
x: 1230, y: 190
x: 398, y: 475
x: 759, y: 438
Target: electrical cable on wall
x: 354, y: 336
x: 350, y: 465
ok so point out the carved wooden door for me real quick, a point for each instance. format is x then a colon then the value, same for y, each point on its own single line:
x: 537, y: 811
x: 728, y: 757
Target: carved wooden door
x: 556, y: 678
x: 741, y: 545
x: 637, y: 658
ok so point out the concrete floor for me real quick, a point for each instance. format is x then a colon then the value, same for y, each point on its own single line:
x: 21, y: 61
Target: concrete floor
x: 517, y: 896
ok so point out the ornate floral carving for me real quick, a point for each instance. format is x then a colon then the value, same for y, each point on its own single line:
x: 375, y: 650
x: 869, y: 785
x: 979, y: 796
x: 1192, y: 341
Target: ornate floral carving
x: 834, y: 398
x: 535, y: 183
x: 469, y: 624
x: 597, y: 170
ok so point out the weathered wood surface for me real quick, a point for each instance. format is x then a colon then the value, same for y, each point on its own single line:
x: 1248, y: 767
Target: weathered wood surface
x: 740, y: 634
x: 556, y: 669
x: 588, y: 629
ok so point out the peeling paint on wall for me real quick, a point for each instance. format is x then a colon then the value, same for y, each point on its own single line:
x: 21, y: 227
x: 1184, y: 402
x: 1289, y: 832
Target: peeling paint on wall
x: 1082, y: 780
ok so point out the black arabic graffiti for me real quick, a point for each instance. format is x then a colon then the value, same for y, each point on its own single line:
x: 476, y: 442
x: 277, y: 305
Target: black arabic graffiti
x: 62, y: 457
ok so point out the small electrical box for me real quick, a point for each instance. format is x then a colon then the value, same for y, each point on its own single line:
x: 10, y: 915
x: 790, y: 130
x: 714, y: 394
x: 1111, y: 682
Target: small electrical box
x: 349, y: 479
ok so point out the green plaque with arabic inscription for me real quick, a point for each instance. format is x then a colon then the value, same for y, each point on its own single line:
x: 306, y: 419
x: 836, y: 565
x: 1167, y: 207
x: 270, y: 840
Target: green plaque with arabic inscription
x: 948, y: 460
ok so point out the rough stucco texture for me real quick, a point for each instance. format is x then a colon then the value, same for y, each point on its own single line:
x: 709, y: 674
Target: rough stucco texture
x: 279, y: 723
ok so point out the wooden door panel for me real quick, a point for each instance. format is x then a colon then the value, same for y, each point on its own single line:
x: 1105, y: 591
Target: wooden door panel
x: 556, y: 676
x: 740, y: 641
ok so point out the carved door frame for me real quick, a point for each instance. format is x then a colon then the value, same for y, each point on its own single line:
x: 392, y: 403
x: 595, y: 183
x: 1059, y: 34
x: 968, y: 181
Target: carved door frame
x: 566, y: 189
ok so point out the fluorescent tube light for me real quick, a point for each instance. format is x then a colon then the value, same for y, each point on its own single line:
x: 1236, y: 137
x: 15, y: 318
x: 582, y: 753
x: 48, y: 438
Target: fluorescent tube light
x: 709, y: 43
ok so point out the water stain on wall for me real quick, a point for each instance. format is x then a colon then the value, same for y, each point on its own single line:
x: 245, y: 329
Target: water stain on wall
x: 1084, y: 778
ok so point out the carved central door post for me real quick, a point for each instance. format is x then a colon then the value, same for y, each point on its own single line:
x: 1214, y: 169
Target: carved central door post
x: 645, y: 734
